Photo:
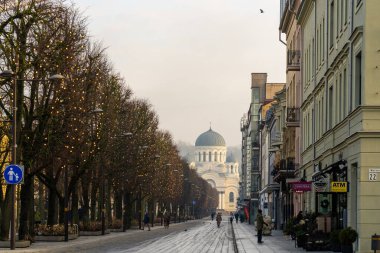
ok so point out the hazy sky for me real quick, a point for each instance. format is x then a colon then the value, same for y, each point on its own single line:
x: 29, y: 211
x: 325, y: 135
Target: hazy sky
x: 192, y: 59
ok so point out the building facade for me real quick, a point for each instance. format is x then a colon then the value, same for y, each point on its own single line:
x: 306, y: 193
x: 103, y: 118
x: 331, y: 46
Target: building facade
x: 251, y: 180
x: 340, y: 111
x: 220, y: 170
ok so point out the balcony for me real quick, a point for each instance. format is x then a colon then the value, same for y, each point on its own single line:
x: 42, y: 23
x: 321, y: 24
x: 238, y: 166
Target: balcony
x: 293, y: 117
x: 286, y: 169
x: 293, y: 60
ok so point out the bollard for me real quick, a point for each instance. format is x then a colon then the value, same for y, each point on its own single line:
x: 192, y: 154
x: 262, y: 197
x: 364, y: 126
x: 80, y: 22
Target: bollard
x: 375, y: 242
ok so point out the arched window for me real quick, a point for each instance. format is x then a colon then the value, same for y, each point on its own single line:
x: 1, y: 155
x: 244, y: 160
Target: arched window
x: 220, y: 157
x: 231, y: 197
x: 209, y: 157
x: 199, y: 157
x: 204, y: 156
x: 216, y: 156
x: 232, y: 169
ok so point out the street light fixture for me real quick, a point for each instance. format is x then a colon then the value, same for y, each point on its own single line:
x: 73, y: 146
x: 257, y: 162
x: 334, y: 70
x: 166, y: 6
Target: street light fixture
x: 9, y: 74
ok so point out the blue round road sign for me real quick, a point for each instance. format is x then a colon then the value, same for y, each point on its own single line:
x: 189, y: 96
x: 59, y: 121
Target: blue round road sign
x: 13, y: 174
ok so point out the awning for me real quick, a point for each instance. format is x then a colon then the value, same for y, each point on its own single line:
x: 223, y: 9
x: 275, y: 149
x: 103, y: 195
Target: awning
x: 335, y: 167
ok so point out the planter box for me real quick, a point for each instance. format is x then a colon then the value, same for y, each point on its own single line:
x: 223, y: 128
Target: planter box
x: 19, y: 244
x: 116, y: 229
x: 92, y: 233
x: 54, y: 238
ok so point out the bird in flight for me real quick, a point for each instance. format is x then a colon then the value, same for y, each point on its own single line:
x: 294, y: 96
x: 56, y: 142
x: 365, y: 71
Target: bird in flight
x: 261, y: 11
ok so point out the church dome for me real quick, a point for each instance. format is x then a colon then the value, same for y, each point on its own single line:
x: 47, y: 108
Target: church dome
x: 210, y: 138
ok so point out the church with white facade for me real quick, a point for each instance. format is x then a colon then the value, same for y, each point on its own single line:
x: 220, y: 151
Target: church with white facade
x: 218, y: 169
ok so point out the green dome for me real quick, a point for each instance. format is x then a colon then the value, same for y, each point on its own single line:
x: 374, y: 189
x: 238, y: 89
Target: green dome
x: 210, y: 138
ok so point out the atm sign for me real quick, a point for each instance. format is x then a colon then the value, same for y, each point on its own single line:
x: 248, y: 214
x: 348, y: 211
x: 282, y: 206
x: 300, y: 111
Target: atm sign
x: 339, y: 186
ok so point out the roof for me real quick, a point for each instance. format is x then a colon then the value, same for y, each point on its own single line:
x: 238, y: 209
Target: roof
x: 210, y: 138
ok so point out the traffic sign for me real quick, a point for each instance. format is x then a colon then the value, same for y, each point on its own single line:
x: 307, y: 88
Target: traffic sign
x: 13, y: 174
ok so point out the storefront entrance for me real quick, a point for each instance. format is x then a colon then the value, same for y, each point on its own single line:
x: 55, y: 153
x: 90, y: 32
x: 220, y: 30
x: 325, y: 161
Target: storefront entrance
x: 333, y: 206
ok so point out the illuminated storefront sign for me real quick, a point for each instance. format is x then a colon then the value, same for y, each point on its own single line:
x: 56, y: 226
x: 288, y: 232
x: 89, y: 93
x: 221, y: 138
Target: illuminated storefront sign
x: 339, y: 186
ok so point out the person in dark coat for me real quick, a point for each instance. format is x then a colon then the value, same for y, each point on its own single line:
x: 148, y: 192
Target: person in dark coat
x: 167, y: 220
x: 218, y: 219
x: 259, y: 225
x: 146, y: 221
x: 237, y: 216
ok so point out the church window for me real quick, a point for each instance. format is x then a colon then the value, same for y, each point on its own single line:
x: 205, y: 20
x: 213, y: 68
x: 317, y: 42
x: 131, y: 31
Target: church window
x: 220, y: 156
x: 216, y: 156
x: 232, y: 169
x: 231, y: 197
x: 209, y: 156
x: 204, y: 156
x: 200, y: 157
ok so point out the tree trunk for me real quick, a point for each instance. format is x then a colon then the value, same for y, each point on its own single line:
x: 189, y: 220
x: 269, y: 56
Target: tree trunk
x: 86, y: 200
x: 127, y: 210
x: 108, y: 204
x: 61, y: 202
x: 74, y: 204
x: 26, y: 207
x: 118, y: 204
x: 94, y: 191
x: 52, y: 208
x: 6, y: 215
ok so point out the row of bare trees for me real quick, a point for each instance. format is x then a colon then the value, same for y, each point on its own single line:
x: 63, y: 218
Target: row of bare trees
x: 86, y: 128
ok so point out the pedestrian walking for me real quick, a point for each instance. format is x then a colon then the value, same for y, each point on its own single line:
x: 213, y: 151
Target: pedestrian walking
x: 212, y: 215
x: 146, y: 221
x: 167, y: 220
x: 231, y: 217
x: 259, y: 225
x: 237, y: 216
x: 218, y: 219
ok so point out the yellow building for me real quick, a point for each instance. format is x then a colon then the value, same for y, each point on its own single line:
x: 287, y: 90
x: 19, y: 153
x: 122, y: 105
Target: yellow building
x: 341, y: 112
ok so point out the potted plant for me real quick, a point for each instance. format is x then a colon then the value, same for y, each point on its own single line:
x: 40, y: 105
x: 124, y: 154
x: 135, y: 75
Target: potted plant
x: 347, y: 237
x: 334, y: 241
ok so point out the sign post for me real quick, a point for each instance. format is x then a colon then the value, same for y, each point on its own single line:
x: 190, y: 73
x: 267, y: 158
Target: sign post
x: 13, y: 175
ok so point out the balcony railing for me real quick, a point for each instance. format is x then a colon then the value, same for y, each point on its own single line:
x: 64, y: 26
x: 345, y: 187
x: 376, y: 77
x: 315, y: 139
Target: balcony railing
x: 293, y: 117
x: 286, y: 170
x: 294, y: 60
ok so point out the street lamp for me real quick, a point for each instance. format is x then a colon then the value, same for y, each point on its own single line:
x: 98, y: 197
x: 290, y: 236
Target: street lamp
x: 95, y: 112
x: 9, y: 74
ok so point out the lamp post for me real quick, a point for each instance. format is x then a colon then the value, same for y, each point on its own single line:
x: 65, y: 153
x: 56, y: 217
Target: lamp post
x: 155, y: 158
x: 95, y: 112
x: 8, y: 74
x: 124, y: 211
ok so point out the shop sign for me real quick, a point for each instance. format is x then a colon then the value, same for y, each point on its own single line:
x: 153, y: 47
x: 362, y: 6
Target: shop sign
x: 320, y: 185
x: 338, y: 186
x: 301, y: 186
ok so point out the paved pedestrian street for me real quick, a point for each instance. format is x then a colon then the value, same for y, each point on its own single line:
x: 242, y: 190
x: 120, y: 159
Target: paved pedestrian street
x: 247, y: 241
x: 199, y: 236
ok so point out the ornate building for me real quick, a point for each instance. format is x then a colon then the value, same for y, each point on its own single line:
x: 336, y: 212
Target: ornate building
x: 222, y: 172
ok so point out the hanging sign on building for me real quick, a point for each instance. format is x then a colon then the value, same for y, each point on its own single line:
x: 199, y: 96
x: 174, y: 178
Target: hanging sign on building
x: 339, y: 186
x: 320, y: 185
x: 301, y: 186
